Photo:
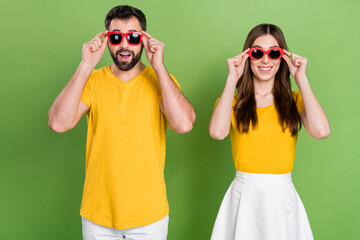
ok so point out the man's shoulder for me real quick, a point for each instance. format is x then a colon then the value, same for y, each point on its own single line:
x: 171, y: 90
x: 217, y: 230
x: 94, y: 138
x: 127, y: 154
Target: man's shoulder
x: 151, y: 72
x: 101, y: 70
x: 99, y: 73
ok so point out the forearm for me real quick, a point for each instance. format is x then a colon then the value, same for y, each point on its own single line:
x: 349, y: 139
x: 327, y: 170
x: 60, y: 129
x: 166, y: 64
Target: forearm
x: 65, y: 107
x: 220, y: 121
x: 178, y: 110
x: 315, y: 117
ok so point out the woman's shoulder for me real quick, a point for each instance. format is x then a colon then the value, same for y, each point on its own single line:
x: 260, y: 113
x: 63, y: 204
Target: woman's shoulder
x: 295, y: 93
x: 298, y: 100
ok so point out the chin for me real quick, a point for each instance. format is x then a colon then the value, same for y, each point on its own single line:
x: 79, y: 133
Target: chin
x: 263, y: 77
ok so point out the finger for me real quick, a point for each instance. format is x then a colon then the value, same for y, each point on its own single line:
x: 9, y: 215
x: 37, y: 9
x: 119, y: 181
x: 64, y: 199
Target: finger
x: 146, y: 34
x: 300, y: 58
x: 99, y: 35
x: 95, y: 41
x: 92, y: 47
x: 152, y: 49
x: 155, y: 41
x: 296, y: 62
x: 288, y: 53
x: 297, y: 56
x: 302, y: 66
x: 104, y: 42
x: 234, y: 62
x: 287, y: 60
x: 156, y: 45
x: 145, y: 40
x: 98, y: 40
x: 301, y: 61
x: 243, y: 53
x: 244, y: 58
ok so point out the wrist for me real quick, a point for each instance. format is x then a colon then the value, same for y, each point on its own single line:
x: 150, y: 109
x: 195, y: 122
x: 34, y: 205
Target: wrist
x: 158, y: 67
x: 302, y: 81
x: 232, y: 79
x: 87, y: 65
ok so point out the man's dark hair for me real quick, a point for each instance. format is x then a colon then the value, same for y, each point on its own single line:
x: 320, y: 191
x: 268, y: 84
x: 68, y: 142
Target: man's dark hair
x: 125, y: 12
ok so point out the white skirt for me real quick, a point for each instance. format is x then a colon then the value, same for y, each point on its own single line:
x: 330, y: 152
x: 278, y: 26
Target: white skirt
x: 262, y: 207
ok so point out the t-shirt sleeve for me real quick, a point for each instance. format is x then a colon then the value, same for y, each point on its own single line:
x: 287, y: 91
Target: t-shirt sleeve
x: 216, y: 102
x: 299, y: 101
x: 86, y: 96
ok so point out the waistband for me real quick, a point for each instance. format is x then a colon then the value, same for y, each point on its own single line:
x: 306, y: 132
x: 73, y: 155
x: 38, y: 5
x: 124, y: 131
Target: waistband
x: 261, y: 178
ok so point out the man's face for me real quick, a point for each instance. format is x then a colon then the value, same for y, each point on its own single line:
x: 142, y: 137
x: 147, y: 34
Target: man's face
x: 125, y: 56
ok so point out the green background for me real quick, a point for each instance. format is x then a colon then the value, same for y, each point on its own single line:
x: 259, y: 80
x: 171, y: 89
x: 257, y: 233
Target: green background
x: 42, y: 173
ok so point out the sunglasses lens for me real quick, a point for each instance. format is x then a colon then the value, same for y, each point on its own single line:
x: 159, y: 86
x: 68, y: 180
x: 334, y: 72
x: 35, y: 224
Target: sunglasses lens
x: 134, y: 38
x: 115, y: 38
x: 274, y: 54
x: 257, y: 54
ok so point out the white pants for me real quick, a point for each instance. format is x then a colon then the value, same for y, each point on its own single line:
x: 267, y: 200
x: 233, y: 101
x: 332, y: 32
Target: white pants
x: 155, y: 231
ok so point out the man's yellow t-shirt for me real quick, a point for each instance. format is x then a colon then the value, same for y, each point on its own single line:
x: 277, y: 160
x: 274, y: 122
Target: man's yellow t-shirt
x: 267, y: 148
x: 125, y: 150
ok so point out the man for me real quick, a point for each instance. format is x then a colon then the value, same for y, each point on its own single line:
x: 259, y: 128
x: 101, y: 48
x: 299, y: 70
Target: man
x: 128, y: 106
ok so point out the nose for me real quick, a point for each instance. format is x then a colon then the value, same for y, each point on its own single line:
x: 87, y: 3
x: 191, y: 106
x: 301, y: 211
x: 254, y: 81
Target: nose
x: 124, y: 43
x: 265, y: 59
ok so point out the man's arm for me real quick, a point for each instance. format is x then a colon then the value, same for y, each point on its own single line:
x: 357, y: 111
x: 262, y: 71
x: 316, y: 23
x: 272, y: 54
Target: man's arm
x: 178, y: 110
x: 67, y: 108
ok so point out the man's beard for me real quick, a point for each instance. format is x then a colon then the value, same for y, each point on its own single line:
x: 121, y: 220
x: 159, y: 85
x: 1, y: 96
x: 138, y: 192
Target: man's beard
x: 126, y: 66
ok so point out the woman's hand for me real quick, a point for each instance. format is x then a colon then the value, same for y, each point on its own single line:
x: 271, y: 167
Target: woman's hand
x: 236, y: 65
x: 297, y: 65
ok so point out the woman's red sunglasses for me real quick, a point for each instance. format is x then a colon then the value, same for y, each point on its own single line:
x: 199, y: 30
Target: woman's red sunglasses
x: 273, y: 53
x: 133, y: 38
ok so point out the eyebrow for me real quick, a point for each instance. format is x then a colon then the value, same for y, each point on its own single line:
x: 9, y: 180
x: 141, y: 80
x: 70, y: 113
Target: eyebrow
x: 131, y: 30
x: 261, y: 47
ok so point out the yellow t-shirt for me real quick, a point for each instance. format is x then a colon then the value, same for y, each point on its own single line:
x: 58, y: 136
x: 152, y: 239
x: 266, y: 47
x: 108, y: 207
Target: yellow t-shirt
x: 267, y: 148
x: 125, y: 150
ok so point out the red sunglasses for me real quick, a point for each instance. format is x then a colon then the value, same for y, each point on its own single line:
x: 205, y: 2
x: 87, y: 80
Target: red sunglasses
x: 133, y: 38
x: 273, y: 53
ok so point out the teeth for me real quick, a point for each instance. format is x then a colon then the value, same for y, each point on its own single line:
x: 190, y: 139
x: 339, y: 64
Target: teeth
x: 265, y: 69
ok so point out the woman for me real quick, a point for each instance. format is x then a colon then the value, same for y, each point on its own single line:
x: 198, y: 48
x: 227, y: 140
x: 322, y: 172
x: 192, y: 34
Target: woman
x: 264, y: 118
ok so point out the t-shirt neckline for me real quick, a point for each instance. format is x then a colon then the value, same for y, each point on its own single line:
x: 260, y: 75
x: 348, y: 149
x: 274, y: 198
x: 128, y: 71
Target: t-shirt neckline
x: 131, y: 80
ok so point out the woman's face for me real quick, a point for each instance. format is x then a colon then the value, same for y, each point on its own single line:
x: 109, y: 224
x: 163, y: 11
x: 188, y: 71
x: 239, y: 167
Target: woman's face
x: 265, y: 68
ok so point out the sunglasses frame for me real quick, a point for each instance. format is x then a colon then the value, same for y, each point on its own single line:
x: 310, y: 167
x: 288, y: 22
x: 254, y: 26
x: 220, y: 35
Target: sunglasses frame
x: 266, y: 52
x: 124, y: 35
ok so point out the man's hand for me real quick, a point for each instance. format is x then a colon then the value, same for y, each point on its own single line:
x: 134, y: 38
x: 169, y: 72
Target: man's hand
x: 93, y: 51
x: 154, y: 50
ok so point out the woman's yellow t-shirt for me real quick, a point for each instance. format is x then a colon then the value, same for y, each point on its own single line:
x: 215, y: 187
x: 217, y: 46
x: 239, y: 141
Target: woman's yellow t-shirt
x: 267, y: 148
x: 125, y: 151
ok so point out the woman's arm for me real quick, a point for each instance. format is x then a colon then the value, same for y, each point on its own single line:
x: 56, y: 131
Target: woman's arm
x: 313, y: 117
x: 220, y: 121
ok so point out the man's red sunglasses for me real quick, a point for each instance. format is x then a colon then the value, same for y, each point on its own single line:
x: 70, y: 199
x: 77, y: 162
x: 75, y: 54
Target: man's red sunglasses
x: 273, y: 53
x: 133, y: 38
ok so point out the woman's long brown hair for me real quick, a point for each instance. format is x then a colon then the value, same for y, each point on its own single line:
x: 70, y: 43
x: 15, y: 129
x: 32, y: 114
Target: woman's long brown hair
x: 245, y: 107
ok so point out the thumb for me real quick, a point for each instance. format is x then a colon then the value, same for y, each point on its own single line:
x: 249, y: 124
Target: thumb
x: 104, y: 43
x: 289, y: 63
x: 244, y: 58
x: 144, y: 40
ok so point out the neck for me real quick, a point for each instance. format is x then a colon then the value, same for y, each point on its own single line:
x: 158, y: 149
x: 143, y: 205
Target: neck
x: 126, y: 76
x: 263, y: 87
